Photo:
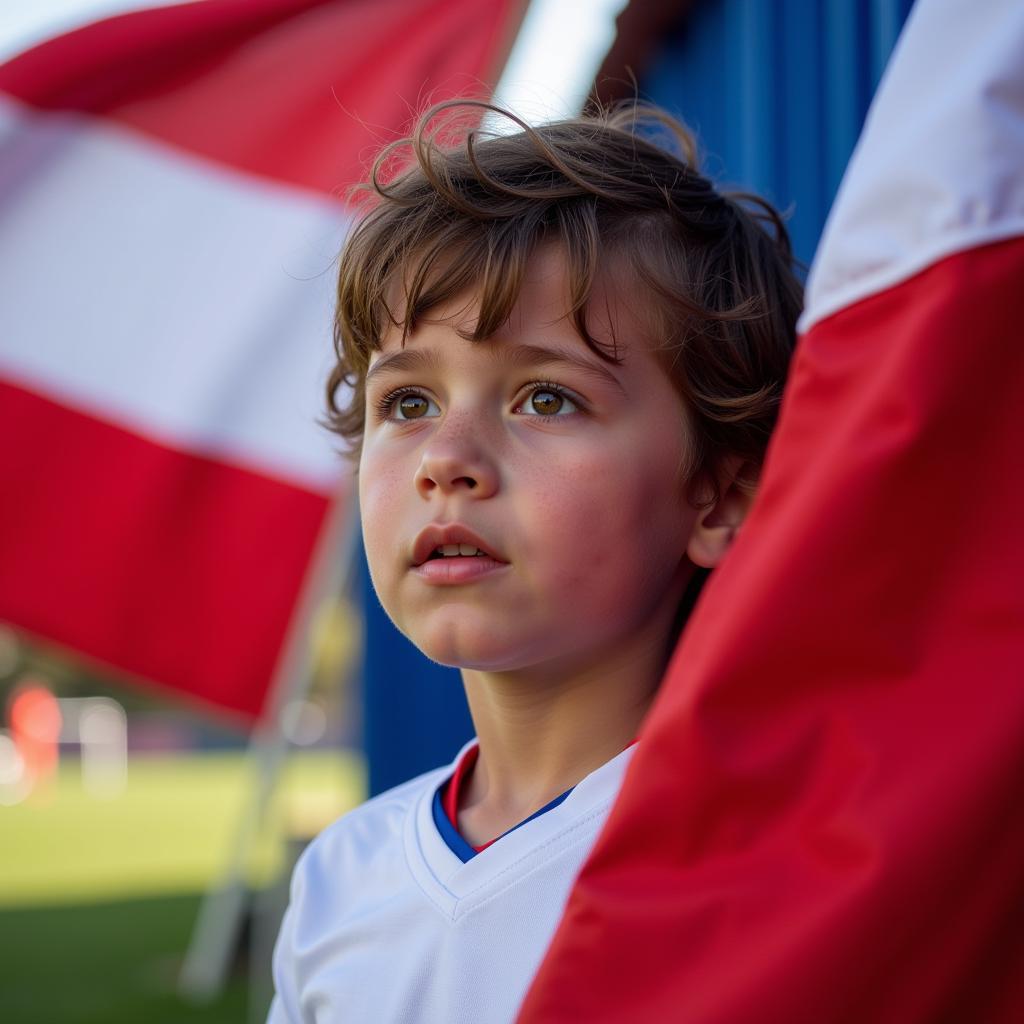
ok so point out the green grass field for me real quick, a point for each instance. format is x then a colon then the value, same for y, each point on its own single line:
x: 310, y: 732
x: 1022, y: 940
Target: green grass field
x: 104, y: 963
x: 98, y: 897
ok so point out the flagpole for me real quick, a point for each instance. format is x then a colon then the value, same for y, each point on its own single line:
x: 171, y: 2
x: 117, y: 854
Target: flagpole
x: 221, y: 913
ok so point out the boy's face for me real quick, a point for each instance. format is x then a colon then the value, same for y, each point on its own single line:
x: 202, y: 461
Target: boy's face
x: 576, y: 484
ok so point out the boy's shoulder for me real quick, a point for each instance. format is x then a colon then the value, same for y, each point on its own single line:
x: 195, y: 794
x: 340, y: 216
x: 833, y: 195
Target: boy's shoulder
x: 367, y: 831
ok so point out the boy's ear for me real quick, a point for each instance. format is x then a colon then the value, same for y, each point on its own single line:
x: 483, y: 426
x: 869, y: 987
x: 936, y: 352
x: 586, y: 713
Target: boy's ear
x: 716, y: 527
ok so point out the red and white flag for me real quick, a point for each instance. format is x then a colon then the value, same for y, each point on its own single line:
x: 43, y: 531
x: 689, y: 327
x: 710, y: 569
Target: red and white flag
x: 171, y: 203
x: 823, y: 819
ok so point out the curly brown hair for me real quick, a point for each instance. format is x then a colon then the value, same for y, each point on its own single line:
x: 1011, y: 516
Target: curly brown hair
x: 614, y: 187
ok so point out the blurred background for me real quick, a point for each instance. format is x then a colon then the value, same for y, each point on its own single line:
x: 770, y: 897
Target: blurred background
x: 195, y: 676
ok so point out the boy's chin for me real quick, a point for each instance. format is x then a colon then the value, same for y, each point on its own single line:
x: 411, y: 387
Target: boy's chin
x: 462, y: 648
x: 464, y: 656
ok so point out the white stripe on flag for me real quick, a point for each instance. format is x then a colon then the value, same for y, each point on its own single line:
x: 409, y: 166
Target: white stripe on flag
x: 916, y: 191
x: 178, y: 299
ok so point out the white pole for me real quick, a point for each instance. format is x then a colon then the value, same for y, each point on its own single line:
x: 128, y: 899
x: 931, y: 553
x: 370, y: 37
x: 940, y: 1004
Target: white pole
x: 224, y: 905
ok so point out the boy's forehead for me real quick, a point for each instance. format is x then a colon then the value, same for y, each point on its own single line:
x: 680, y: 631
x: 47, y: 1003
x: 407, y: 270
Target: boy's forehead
x: 543, y: 311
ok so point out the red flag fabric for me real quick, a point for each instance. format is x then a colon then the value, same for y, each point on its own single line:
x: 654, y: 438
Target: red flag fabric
x: 822, y: 821
x: 171, y: 200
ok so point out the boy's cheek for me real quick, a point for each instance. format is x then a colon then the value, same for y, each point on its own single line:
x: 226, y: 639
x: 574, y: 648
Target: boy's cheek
x: 379, y: 520
x: 380, y: 489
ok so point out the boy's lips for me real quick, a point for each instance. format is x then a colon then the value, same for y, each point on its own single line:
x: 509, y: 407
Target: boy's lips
x: 438, y: 534
x: 458, y: 570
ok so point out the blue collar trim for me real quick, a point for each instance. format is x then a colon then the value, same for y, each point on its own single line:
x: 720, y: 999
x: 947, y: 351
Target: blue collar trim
x: 455, y: 842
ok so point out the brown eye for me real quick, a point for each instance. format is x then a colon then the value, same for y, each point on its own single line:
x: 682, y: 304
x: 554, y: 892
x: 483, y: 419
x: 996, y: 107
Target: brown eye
x: 412, y: 407
x: 546, y: 403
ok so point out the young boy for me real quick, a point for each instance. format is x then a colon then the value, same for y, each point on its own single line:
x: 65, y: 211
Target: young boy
x: 565, y: 351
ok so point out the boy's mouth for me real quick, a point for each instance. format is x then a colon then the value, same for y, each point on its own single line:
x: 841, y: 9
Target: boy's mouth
x: 457, y: 551
x: 451, y: 541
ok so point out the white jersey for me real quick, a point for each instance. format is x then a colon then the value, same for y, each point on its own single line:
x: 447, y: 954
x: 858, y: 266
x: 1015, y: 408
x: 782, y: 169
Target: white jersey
x: 387, y: 924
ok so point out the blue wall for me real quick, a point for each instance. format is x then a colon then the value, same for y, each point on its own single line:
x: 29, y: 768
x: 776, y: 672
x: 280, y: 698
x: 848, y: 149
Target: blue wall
x: 777, y: 91
x: 414, y: 712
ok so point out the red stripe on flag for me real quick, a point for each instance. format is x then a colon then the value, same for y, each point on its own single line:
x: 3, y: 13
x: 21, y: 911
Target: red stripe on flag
x: 304, y: 91
x: 165, y: 565
x: 822, y: 820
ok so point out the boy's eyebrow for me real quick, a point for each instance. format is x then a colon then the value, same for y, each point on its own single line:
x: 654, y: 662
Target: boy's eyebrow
x: 536, y: 355
x: 399, y: 362
x: 518, y: 355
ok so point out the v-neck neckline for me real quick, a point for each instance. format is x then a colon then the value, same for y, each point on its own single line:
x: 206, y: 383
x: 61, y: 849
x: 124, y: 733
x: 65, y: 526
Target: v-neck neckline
x: 446, y: 803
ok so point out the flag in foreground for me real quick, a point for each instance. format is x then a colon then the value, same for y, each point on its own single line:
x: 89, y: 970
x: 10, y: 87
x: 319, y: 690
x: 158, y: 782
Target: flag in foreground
x: 822, y: 821
x: 171, y: 202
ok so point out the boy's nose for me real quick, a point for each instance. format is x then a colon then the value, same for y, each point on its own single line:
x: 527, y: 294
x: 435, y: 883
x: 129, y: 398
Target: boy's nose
x: 453, y: 469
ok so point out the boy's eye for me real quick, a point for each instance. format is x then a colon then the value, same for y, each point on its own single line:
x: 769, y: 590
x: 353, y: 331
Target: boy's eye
x: 411, y: 407
x: 407, y: 405
x: 548, y: 400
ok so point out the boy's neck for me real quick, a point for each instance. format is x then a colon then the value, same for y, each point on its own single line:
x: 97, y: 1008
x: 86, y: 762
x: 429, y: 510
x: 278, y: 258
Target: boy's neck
x: 544, y: 728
